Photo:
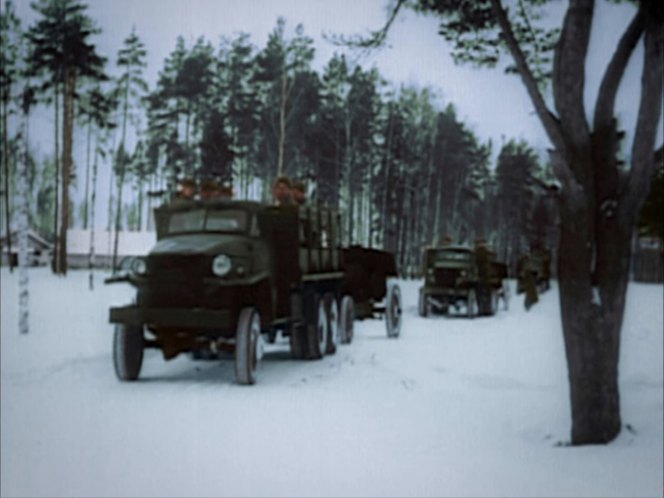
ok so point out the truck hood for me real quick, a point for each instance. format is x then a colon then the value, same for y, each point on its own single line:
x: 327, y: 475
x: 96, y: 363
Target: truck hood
x: 233, y: 245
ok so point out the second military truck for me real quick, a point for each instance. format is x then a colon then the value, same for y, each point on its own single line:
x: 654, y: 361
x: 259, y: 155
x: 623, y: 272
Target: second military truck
x: 462, y: 279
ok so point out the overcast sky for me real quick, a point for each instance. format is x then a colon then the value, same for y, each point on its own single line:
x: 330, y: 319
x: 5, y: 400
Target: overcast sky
x: 492, y: 104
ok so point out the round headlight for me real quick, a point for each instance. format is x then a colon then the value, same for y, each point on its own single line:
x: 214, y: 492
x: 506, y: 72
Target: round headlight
x: 139, y: 266
x: 221, y: 265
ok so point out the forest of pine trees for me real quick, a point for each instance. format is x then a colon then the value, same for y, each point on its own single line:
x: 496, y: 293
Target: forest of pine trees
x: 403, y: 169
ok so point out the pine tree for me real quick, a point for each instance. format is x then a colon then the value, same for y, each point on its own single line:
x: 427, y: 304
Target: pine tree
x: 9, y: 72
x: 61, y: 51
x: 130, y: 87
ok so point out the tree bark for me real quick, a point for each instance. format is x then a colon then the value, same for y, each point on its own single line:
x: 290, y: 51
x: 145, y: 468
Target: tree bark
x: 23, y: 277
x: 5, y: 170
x: 598, y: 209
x: 86, y: 211
x: 93, y: 201
x: 282, y: 124
x: 591, y: 327
x: 56, y: 213
x: 67, y: 162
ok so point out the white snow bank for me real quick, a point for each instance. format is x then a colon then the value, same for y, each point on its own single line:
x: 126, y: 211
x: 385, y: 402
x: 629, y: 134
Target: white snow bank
x: 452, y: 408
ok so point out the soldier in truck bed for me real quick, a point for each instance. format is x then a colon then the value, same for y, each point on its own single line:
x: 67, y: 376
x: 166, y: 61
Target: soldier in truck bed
x: 282, y: 191
x: 299, y: 192
x: 186, y: 191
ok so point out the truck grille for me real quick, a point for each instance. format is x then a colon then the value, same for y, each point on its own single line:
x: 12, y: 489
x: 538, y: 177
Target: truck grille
x: 446, y: 277
x: 179, y: 267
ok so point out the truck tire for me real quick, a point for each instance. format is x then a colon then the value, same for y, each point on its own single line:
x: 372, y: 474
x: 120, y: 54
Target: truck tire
x: 471, y: 304
x: 422, y: 305
x: 393, y: 310
x: 316, y: 328
x: 127, y: 351
x: 298, y: 329
x: 248, y: 346
x: 298, y: 341
x: 346, y: 320
x: 332, y: 323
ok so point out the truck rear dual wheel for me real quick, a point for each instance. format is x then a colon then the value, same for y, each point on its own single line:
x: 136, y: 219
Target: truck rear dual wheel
x: 332, y: 323
x: 422, y: 304
x: 346, y: 320
x: 317, y: 327
x: 128, y: 351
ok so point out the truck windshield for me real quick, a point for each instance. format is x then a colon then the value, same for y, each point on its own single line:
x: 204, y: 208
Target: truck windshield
x: 208, y: 220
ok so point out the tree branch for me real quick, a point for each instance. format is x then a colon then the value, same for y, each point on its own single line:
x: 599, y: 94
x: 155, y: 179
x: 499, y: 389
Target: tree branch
x: 652, y: 88
x: 375, y: 39
x: 547, y: 118
x: 569, y: 71
x: 604, y: 109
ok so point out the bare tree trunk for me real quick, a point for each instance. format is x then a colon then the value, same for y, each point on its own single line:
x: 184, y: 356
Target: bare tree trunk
x: 109, y: 226
x: 118, y: 215
x: 139, y: 221
x: 93, y: 202
x: 67, y: 162
x: 5, y: 170
x: 56, y: 214
x: 436, y: 236
x: 151, y: 187
x: 87, y: 176
x: 592, y: 318
x: 120, y: 157
x: 23, y: 277
x: 282, y: 124
x: 388, y: 163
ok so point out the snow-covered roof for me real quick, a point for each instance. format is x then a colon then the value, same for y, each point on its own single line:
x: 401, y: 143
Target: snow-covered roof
x: 34, y: 239
x: 129, y: 243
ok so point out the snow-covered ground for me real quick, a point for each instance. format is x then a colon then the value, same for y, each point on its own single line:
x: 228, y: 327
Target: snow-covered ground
x: 451, y: 408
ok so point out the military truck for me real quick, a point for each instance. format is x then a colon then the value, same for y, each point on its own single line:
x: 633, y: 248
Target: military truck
x: 461, y: 279
x: 538, y: 262
x: 227, y: 275
x: 369, y: 279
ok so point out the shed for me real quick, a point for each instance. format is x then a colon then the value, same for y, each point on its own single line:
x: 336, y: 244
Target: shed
x: 40, y: 251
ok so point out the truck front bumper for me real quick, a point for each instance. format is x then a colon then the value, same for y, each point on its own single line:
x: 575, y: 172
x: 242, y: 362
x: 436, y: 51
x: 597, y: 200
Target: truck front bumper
x: 199, y: 318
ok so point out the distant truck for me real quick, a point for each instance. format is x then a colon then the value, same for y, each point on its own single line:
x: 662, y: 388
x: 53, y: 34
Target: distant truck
x: 369, y: 278
x: 538, y: 263
x: 456, y: 278
x: 227, y: 275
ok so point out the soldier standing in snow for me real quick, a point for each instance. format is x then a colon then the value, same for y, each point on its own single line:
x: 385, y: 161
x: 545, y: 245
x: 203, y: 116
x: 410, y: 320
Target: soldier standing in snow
x: 483, y: 272
x: 529, y: 283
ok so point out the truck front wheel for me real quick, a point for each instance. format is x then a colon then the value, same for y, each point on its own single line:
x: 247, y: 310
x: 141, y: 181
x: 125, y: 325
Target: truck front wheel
x: 393, y: 310
x: 472, y: 307
x: 127, y: 351
x: 248, y: 346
